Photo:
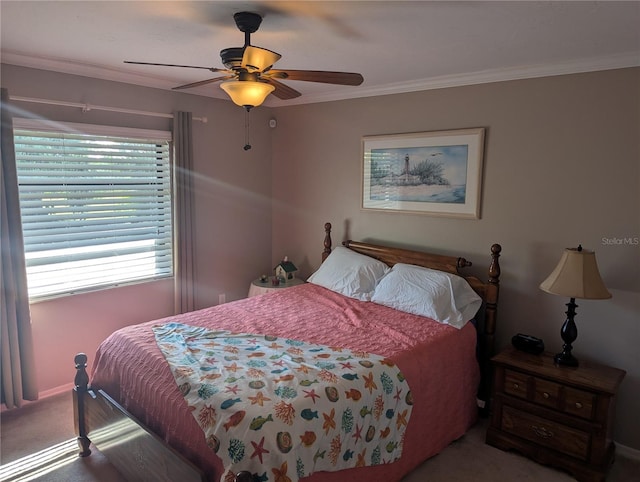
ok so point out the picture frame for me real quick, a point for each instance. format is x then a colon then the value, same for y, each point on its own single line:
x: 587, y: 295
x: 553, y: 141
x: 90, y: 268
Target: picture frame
x: 435, y: 173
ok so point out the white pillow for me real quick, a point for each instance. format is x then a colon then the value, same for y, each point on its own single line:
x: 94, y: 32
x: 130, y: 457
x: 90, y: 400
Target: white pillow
x: 349, y: 273
x: 443, y: 297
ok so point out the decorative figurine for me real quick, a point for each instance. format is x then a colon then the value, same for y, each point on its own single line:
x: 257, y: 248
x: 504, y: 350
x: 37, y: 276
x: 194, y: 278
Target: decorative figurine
x: 286, y: 270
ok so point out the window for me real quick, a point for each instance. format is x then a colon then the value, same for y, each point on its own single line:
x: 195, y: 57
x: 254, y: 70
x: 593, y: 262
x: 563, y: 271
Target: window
x: 95, y: 204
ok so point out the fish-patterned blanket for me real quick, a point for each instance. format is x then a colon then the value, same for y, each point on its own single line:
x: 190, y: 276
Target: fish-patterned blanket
x: 283, y: 409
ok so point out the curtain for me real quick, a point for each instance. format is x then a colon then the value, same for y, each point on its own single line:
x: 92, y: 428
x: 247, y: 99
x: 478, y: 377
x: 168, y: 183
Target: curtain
x: 183, y: 207
x: 18, y: 374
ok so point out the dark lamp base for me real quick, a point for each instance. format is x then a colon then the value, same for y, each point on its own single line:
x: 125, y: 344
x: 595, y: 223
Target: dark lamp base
x: 565, y: 359
x: 569, y: 334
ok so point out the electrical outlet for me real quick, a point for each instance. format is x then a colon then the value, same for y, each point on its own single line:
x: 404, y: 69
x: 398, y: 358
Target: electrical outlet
x: 222, y: 298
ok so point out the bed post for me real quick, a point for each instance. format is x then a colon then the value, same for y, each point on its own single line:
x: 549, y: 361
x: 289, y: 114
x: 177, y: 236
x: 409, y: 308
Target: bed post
x: 490, y: 315
x: 327, y: 241
x: 493, y: 291
x: 80, y: 389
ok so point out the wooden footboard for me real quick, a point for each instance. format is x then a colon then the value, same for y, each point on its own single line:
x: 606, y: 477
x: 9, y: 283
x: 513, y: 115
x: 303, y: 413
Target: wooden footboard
x: 136, y: 452
x: 132, y: 449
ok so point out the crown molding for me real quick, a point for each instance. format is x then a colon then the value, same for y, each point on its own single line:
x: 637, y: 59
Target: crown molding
x: 95, y: 71
x: 474, y: 78
x: 610, y: 62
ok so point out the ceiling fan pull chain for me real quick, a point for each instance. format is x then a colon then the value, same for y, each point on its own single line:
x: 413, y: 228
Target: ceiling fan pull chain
x: 247, y: 146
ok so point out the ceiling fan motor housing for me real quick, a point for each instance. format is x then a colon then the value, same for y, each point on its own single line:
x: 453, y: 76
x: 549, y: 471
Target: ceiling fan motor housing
x: 247, y: 22
x: 232, y: 57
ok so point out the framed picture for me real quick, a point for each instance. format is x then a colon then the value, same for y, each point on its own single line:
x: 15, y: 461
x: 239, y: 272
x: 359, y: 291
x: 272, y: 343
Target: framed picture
x: 435, y: 173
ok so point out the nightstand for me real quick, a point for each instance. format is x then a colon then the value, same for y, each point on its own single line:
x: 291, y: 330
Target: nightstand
x: 259, y: 288
x: 559, y: 416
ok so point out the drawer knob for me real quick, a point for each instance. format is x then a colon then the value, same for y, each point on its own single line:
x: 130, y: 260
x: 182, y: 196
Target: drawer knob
x: 516, y: 386
x: 578, y: 405
x: 542, y: 432
x: 545, y: 395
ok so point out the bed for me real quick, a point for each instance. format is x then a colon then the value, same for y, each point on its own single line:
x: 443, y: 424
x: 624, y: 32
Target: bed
x: 136, y: 411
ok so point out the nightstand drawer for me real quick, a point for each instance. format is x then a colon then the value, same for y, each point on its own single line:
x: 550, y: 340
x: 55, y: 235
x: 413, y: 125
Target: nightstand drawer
x: 546, y: 433
x: 515, y: 383
x: 579, y: 402
x: 546, y: 393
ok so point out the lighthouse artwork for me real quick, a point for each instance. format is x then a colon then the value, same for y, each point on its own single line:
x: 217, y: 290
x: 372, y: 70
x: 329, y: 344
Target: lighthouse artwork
x: 434, y: 173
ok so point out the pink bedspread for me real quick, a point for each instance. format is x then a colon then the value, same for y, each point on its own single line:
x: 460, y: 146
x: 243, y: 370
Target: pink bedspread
x: 438, y: 362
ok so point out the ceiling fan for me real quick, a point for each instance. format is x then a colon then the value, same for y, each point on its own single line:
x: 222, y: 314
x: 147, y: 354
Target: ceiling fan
x: 249, y: 75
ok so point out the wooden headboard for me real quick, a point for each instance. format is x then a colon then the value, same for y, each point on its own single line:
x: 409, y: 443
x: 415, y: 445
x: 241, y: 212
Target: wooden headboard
x: 488, y: 290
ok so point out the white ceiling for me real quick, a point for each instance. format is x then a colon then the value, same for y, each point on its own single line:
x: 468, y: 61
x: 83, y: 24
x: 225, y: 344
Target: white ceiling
x: 397, y: 46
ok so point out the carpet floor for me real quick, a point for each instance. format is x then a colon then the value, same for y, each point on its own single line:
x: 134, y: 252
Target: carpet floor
x: 37, y: 443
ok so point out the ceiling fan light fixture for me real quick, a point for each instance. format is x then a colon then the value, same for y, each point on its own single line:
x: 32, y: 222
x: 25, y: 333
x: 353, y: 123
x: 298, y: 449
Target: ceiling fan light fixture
x: 257, y: 58
x: 247, y: 93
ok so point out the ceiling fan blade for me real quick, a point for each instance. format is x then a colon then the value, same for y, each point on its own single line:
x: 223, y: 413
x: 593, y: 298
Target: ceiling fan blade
x: 212, y: 69
x: 326, y: 77
x: 283, y: 92
x: 203, y: 82
x: 258, y: 59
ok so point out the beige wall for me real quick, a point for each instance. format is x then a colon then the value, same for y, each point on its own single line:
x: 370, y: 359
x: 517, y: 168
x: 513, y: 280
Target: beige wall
x: 561, y: 168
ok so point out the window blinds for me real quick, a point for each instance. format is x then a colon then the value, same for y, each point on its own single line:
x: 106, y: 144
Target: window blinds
x: 96, y: 210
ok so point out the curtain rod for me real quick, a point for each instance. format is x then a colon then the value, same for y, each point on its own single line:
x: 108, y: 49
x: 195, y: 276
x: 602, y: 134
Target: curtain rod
x: 89, y: 107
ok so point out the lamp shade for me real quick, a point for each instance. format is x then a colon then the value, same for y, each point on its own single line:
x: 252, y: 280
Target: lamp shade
x: 576, y: 276
x: 247, y: 93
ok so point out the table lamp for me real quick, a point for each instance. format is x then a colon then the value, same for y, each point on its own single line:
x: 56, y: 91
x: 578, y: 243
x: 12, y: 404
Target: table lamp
x: 575, y: 276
